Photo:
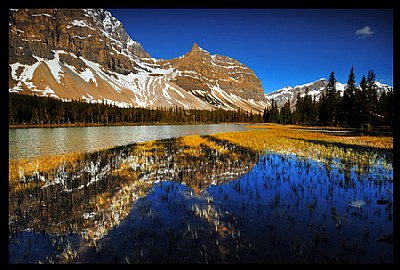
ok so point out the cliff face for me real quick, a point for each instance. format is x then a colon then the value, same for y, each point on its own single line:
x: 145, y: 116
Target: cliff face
x: 93, y: 34
x: 87, y: 54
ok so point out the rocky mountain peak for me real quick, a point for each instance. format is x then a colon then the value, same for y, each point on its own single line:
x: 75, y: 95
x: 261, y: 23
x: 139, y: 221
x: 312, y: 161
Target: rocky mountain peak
x: 195, y: 47
x: 207, y: 75
x: 198, y: 54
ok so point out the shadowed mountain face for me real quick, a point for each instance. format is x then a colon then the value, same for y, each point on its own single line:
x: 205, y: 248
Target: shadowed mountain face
x: 86, y: 54
x: 94, y: 34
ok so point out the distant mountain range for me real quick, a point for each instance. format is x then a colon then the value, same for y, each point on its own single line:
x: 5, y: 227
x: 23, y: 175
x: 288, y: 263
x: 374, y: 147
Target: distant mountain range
x: 315, y: 88
x: 86, y: 54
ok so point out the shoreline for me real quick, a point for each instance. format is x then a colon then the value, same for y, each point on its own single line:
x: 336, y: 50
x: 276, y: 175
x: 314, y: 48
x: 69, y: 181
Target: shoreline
x: 317, y: 130
x: 23, y: 126
x: 376, y: 131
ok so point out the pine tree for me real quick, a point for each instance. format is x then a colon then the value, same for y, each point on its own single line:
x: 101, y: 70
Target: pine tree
x: 307, y: 107
x: 298, y: 109
x: 388, y: 107
x: 314, y: 110
x: 384, y: 109
x: 286, y: 115
x: 331, y: 99
x: 266, y: 115
x: 372, y: 100
x: 274, y: 116
x: 347, y: 104
x: 361, y: 102
x: 322, y: 111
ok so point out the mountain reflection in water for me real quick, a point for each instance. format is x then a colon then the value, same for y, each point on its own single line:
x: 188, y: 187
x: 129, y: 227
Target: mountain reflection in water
x: 214, y: 203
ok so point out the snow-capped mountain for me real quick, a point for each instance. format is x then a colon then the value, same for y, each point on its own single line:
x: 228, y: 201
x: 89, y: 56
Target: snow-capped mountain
x: 86, y: 54
x: 314, y: 89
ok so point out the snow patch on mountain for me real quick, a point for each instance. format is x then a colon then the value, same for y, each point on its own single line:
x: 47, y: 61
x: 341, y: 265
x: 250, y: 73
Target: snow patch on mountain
x: 81, y: 23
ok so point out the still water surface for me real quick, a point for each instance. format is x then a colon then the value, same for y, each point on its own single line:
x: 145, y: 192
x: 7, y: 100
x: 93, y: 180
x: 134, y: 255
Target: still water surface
x: 34, y: 142
x: 284, y: 210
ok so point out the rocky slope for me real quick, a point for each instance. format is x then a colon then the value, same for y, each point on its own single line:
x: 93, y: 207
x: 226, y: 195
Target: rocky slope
x: 219, y: 80
x: 86, y: 54
x: 93, y: 34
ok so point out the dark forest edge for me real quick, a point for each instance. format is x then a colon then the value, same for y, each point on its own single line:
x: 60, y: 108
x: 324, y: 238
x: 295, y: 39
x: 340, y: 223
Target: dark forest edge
x: 359, y: 108
x: 33, y: 111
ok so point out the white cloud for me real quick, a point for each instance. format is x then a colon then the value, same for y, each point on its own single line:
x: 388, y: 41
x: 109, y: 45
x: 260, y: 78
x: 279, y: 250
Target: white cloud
x: 364, y: 32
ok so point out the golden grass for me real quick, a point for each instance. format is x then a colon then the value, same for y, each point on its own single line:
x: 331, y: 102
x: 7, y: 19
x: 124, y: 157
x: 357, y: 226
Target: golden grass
x: 301, y: 140
x: 276, y: 136
x: 26, y: 167
x: 308, y: 143
x: 192, y: 145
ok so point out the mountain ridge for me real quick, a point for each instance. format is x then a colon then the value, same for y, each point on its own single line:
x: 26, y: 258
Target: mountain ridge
x: 314, y: 88
x: 86, y: 54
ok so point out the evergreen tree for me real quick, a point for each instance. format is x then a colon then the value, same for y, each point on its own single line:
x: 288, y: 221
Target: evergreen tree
x: 388, y: 107
x: 384, y: 108
x: 297, y: 114
x: 266, y: 115
x: 347, y: 104
x: 372, y: 99
x: 286, y: 115
x: 314, y: 110
x: 274, y: 115
x: 332, y: 98
x: 307, y: 107
x: 361, y: 102
x: 322, y: 109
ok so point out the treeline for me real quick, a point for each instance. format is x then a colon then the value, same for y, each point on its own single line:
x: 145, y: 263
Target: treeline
x: 24, y: 109
x: 359, y: 106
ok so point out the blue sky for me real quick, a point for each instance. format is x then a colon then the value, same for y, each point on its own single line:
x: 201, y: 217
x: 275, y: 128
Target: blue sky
x: 284, y: 47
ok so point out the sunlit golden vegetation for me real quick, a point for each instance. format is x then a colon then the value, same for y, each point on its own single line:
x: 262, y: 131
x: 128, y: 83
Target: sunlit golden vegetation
x: 313, y: 133
x: 20, y: 169
x: 315, y: 143
x: 301, y: 140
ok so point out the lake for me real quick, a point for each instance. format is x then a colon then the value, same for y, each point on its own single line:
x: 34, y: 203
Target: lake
x: 35, y: 142
x: 173, y: 201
